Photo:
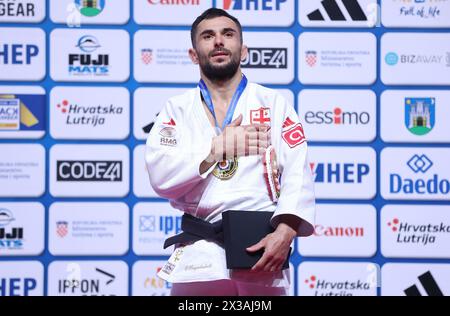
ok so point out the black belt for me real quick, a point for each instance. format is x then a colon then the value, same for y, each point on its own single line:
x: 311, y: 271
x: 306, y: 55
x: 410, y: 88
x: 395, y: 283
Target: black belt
x: 195, y: 229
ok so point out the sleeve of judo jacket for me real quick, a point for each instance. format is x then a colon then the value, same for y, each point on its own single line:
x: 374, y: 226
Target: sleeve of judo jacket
x: 297, y: 185
x: 172, y: 159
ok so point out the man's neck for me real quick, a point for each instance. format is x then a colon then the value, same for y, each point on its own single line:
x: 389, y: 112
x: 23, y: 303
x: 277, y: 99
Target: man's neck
x: 222, y: 92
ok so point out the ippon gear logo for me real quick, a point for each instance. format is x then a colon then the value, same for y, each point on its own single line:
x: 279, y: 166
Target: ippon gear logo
x: 89, y: 171
x: 334, y: 13
x: 266, y: 58
x: 255, y: 5
x: 420, y: 163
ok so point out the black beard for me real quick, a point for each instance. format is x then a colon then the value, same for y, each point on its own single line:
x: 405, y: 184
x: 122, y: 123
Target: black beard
x: 220, y: 73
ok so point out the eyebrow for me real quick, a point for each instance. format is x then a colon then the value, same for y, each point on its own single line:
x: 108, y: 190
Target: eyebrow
x: 225, y: 30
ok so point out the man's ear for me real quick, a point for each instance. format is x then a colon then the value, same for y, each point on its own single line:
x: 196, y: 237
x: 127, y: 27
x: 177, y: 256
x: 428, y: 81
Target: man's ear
x: 244, y: 52
x: 193, y: 55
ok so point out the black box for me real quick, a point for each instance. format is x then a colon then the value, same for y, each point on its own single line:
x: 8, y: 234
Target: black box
x: 243, y: 229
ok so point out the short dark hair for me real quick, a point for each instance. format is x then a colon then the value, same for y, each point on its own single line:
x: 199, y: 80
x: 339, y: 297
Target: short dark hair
x: 211, y: 14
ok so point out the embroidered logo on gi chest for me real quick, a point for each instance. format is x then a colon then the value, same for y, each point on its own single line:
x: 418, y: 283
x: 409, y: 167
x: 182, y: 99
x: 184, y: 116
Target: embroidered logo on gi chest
x: 168, y: 136
x: 293, y: 133
x: 260, y: 116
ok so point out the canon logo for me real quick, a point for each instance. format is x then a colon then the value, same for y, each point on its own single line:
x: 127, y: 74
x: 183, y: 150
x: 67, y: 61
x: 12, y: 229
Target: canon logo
x: 326, y: 231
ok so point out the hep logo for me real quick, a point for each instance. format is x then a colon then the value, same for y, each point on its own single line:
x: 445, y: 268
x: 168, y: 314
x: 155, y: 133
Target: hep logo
x: 311, y: 281
x: 394, y: 224
x: 63, y: 106
x: 420, y: 164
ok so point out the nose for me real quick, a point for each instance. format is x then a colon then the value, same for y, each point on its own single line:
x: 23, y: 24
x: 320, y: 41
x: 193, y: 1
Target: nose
x: 218, y: 40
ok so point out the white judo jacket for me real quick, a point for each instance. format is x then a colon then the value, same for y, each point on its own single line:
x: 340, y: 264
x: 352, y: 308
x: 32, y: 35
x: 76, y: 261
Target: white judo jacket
x: 181, y: 139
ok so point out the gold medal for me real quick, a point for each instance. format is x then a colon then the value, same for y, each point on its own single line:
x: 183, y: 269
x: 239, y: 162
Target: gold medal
x: 226, y: 169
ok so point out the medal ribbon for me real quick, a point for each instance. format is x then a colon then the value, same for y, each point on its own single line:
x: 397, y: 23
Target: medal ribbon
x: 234, y: 101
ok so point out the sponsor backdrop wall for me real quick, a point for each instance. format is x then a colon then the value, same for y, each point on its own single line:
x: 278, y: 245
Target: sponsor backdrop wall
x: 81, y: 82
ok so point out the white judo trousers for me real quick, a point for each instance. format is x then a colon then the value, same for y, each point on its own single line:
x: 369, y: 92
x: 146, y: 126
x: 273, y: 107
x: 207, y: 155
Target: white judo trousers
x: 181, y: 139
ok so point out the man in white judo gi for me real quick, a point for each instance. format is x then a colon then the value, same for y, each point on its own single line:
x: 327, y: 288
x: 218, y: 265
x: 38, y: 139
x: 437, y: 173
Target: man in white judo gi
x: 206, y: 154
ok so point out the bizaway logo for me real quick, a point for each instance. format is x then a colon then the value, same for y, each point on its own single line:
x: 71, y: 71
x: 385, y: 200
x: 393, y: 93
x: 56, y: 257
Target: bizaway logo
x: 392, y: 59
x: 94, y: 115
x: 266, y: 58
x: 428, y: 283
x: 334, y: 12
x: 422, y: 234
x: 419, y: 165
x: 337, y: 117
x: 339, y: 172
x: 11, y: 238
x: 323, y: 287
x: 253, y: 5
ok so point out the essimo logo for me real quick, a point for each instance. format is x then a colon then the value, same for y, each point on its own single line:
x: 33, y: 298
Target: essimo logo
x: 337, y: 116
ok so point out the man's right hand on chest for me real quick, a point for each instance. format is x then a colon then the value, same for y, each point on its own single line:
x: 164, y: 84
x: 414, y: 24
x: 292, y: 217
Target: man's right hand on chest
x: 238, y: 140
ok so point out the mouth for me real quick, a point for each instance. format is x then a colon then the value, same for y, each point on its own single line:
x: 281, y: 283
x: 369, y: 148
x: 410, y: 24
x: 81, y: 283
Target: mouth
x: 220, y: 54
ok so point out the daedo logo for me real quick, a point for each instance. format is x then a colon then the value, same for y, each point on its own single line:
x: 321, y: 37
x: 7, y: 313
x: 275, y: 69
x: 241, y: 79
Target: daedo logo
x: 88, y: 64
x: 432, y: 185
x: 337, y: 117
x: 253, y: 5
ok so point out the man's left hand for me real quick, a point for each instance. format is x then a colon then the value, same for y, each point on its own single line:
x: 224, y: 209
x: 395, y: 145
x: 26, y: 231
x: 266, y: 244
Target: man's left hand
x: 276, y: 249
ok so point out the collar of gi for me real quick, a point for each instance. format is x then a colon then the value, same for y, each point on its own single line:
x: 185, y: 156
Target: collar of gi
x: 234, y: 101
